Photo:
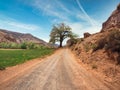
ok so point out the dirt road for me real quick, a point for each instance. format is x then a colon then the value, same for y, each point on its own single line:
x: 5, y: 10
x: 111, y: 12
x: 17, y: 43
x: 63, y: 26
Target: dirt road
x: 59, y: 71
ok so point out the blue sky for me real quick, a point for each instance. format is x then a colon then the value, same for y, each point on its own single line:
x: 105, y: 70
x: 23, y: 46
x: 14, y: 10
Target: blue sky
x: 38, y: 16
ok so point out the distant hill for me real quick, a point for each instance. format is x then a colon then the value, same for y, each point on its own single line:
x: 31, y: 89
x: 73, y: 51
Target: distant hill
x: 15, y: 37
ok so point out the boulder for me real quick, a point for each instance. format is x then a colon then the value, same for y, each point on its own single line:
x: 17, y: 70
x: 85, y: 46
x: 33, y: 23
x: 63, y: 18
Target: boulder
x: 86, y: 35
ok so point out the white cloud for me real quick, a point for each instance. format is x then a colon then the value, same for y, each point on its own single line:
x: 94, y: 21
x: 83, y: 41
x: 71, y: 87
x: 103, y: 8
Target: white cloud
x: 76, y: 27
x: 63, y: 7
x: 55, y: 9
x: 85, y: 13
x: 9, y: 23
x: 60, y: 12
x: 23, y: 26
x: 79, y: 28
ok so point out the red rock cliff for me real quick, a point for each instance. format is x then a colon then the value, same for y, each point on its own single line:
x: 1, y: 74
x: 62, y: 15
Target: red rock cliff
x: 113, y: 21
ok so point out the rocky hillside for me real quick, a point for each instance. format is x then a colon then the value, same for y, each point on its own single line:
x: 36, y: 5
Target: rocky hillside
x: 15, y: 37
x: 113, y: 21
x: 100, y: 52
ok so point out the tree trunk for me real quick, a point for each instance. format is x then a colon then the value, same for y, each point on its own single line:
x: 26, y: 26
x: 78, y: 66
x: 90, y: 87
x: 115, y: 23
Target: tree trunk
x: 60, y: 44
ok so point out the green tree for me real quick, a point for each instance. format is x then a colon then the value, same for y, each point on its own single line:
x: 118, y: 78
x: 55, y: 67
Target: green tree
x: 60, y: 32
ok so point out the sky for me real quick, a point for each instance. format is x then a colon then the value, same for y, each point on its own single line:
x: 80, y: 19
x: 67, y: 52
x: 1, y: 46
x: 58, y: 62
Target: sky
x: 37, y: 17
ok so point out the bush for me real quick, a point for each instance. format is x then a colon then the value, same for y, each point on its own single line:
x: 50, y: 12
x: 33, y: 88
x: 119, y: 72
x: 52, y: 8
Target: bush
x: 93, y: 46
x: 3, y: 45
x: 70, y: 42
x: 80, y: 40
x: 90, y: 46
x: 113, y: 41
x: 14, y: 46
x: 87, y: 47
x: 30, y: 45
x: 9, y: 45
x: 23, y: 46
x: 100, y: 44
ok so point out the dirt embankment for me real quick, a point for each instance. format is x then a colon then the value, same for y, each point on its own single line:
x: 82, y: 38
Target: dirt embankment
x: 99, y: 62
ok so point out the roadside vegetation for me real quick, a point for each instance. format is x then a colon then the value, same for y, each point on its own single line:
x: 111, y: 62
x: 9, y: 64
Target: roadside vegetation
x: 13, y: 57
x: 111, y: 43
x: 24, y: 45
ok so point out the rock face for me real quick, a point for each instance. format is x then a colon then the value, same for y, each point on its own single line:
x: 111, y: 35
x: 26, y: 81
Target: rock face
x: 9, y: 36
x: 86, y: 35
x: 113, y: 21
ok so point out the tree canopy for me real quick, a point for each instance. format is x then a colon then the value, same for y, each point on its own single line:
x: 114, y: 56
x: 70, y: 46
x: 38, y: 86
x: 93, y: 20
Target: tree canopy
x: 60, y: 32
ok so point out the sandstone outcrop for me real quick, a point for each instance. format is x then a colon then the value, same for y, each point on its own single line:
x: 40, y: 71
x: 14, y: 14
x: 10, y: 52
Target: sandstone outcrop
x: 86, y: 35
x: 113, y: 21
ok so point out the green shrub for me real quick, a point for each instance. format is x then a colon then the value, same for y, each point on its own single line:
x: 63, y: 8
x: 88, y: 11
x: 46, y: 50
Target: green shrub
x: 3, y: 45
x: 15, y: 46
x: 30, y: 45
x: 87, y: 47
x: 90, y: 46
x: 113, y: 41
x: 23, y: 46
x: 100, y: 44
x: 80, y: 40
x: 93, y: 46
x: 110, y: 42
x: 9, y: 45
